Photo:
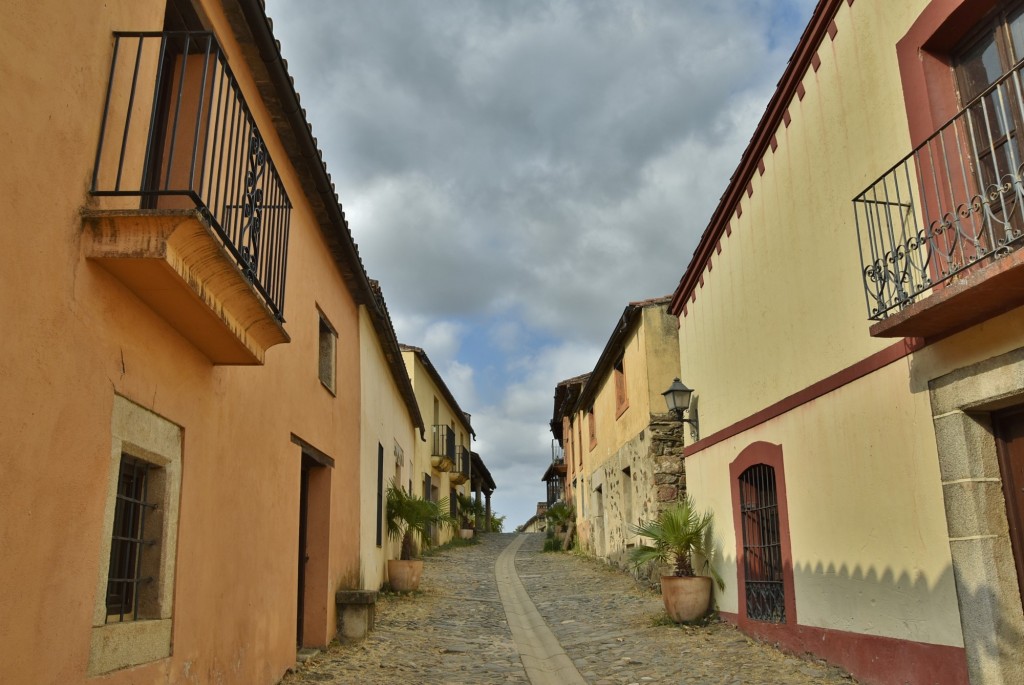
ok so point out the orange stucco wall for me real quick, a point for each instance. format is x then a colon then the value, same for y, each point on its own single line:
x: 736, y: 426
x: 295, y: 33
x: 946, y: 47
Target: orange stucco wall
x: 75, y: 337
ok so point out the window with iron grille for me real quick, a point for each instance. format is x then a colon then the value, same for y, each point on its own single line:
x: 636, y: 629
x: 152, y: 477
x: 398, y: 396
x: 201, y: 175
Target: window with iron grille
x: 127, y: 580
x: 996, y: 117
x: 762, y: 545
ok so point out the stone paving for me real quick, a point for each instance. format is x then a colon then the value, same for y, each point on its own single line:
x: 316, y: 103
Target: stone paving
x: 455, y: 630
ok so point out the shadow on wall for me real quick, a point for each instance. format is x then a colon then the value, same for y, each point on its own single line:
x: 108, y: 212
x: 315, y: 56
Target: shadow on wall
x: 863, y: 618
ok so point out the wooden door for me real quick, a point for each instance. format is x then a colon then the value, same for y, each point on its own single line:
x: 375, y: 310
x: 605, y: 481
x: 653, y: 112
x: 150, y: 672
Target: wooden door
x: 303, y: 554
x: 1009, y: 431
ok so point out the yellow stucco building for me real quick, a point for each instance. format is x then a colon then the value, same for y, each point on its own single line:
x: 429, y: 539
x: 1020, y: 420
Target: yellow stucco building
x: 866, y: 475
x: 622, y: 453
x: 442, y: 464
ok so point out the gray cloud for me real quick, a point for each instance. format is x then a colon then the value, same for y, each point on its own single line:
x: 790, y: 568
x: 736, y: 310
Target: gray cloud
x: 529, y: 167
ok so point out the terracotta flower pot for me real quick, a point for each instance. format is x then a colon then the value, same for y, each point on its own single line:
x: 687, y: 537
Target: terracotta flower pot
x: 404, y: 575
x: 686, y: 598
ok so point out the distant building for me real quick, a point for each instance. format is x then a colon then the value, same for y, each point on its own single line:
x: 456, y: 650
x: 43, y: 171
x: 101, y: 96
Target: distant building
x: 442, y: 465
x: 622, y: 453
x: 554, y: 476
x: 483, y: 486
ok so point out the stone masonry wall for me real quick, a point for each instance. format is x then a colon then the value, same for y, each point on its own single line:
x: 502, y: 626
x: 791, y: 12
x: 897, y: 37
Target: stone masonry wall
x: 657, y: 478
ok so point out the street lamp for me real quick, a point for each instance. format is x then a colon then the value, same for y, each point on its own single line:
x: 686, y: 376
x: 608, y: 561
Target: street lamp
x: 677, y: 399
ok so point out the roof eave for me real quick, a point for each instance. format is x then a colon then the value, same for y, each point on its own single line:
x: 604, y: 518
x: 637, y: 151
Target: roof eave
x: 785, y: 91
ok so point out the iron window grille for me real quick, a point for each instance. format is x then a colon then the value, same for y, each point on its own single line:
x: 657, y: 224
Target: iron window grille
x: 128, y: 543
x: 177, y: 133
x: 762, y: 545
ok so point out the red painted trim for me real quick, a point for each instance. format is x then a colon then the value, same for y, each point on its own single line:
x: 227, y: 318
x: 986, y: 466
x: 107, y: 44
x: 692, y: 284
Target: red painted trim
x: 728, y: 229
x: 774, y: 143
x: 800, y: 91
x: 771, y: 455
x: 869, y: 658
x: 798, y: 63
x: 711, y: 266
x: 878, y: 360
x: 739, y: 209
x: 718, y: 246
x: 786, y: 119
x: 700, y: 281
x: 750, y: 190
x: 815, y: 62
x: 760, y: 167
x: 832, y: 30
x: 923, y: 57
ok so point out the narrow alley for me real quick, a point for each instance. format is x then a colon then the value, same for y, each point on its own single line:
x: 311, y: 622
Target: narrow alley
x: 470, y: 624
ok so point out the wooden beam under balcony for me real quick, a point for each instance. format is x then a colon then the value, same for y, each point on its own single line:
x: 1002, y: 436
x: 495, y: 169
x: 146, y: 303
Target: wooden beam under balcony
x: 174, y: 261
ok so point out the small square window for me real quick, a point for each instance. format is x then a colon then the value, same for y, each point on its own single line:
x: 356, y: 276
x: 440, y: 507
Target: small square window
x: 328, y: 354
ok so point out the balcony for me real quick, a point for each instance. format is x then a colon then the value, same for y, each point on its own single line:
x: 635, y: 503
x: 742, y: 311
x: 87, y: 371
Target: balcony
x: 460, y: 471
x: 557, y: 453
x: 555, y: 474
x: 939, y: 231
x: 442, y: 453
x: 193, y: 217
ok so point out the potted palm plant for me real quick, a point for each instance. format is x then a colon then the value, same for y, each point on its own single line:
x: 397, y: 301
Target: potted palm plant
x: 678, y: 533
x: 561, y: 521
x: 409, y: 519
x: 469, y: 511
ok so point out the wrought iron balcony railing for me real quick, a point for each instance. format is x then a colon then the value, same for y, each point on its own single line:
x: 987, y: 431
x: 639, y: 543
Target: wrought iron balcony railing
x: 556, y: 488
x: 955, y: 202
x: 444, y: 442
x: 557, y: 453
x: 462, y: 460
x: 178, y: 134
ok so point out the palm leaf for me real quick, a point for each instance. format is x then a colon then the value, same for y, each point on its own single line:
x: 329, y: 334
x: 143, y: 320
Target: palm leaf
x: 678, y: 533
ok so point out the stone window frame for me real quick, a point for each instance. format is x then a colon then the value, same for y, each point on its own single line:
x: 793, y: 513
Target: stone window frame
x: 145, y: 436
x: 988, y: 594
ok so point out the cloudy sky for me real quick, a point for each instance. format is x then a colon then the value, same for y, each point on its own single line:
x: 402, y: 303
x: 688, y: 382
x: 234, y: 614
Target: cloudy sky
x: 516, y: 171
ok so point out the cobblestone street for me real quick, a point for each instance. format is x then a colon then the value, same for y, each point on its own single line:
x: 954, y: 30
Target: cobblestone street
x: 455, y: 630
